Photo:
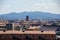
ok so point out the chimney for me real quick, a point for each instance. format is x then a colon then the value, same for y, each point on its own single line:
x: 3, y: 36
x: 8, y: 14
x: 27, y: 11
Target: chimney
x: 27, y: 18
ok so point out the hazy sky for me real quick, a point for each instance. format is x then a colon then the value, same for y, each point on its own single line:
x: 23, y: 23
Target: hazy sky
x: 7, y: 6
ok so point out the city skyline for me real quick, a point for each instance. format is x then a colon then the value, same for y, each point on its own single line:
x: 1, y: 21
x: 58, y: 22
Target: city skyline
x: 7, y: 6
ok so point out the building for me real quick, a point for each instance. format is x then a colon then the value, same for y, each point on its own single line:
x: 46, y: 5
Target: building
x: 27, y: 35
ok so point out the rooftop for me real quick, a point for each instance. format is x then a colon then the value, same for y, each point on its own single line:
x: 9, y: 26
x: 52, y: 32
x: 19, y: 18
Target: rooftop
x: 48, y: 28
x: 28, y: 32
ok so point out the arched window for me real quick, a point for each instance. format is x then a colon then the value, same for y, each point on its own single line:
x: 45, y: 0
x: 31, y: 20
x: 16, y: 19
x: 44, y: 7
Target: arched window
x: 41, y: 38
x: 16, y: 38
x: 28, y: 38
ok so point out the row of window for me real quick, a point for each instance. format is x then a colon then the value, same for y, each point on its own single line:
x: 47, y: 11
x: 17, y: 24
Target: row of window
x: 21, y: 36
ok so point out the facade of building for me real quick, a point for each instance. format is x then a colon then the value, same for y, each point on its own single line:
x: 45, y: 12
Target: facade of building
x: 27, y: 35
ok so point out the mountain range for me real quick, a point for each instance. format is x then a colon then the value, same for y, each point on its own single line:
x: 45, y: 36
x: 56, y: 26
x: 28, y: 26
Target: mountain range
x: 32, y: 15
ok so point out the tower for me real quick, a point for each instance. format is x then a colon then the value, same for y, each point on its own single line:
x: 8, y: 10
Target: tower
x: 27, y: 18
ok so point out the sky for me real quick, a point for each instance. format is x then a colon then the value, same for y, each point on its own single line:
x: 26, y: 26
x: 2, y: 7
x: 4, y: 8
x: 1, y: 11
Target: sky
x: 7, y: 6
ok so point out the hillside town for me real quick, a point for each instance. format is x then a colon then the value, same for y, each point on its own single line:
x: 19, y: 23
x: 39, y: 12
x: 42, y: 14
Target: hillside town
x: 29, y: 29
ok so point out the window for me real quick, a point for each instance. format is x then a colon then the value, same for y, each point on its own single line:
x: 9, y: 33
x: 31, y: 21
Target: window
x: 45, y: 36
x: 32, y: 35
x: 13, y: 37
x: 51, y: 36
x: 20, y: 36
x: 16, y: 38
x: 28, y: 38
x: 1, y: 37
x: 41, y: 38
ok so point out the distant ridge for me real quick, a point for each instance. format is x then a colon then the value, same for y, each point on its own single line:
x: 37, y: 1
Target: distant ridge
x: 32, y: 15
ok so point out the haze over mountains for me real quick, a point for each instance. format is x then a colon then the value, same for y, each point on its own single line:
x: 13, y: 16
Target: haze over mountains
x: 32, y: 15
